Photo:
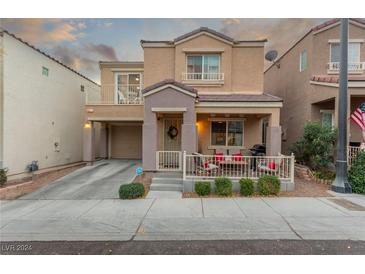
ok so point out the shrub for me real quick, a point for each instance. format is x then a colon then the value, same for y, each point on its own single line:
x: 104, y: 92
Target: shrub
x: 315, y: 148
x: 131, y: 191
x: 357, y: 174
x: 246, y: 187
x: 325, y: 174
x: 3, y: 177
x: 202, y: 188
x: 223, y: 186
x: 268, y: 185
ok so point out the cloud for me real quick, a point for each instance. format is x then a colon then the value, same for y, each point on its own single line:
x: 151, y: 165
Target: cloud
x: 102, y: 50
x: 45, y: 31
x: 281, y: 33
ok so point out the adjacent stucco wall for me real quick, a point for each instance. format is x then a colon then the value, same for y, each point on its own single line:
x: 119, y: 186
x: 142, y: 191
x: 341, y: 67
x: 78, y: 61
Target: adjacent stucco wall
x: 1, y: 100
x: 287, y: 82
x: 40, y: 110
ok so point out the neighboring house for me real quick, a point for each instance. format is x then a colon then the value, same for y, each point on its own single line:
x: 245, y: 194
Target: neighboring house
x: 306, y: 76
x: 41, y: 108
x: 201, y: 92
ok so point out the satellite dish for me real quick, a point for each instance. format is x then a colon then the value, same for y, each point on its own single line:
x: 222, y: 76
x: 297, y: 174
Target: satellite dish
x: 271, y: 55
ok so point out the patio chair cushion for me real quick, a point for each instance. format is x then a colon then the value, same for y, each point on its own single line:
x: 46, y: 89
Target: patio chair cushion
x: 237, y: 157
x: 218, y: 157
x: 271, y: 165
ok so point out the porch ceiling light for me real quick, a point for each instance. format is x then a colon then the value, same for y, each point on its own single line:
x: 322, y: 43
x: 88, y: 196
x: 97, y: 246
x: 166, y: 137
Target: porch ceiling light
x: 87, y: 125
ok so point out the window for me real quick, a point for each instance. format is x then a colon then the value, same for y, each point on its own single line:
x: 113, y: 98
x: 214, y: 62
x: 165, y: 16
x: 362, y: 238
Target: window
x: 227, y: 133
x: 203, y: 67
x: 354, y: 53
x: 303, y: 60
x: 327, y: 118
x: 45, y: 71
x: 82, y: 88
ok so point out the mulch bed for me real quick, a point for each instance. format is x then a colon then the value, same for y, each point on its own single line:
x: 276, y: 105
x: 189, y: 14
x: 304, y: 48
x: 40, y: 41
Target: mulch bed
x: 303, y: 188
x: 145, y: 179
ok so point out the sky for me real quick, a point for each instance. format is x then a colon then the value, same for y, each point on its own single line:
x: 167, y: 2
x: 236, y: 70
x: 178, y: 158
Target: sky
x: 82, y: 43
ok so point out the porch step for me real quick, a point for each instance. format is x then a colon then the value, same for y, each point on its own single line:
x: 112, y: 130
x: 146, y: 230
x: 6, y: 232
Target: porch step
x: 166, y: 187
x: 170, y: 181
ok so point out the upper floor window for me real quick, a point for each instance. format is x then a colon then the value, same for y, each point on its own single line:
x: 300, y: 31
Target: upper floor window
x: 45, y: 71
x: 203, y: 67
x: 354, y: 64
x: 303, y: 61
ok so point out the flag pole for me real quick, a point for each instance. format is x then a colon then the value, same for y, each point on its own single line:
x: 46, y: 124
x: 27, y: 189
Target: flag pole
x: 341, y: 183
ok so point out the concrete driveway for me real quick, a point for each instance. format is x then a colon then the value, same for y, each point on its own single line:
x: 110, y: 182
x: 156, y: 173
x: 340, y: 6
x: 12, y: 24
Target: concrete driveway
x: 100, y: 181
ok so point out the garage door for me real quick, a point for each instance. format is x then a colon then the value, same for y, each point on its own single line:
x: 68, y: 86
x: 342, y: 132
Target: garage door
x: 126, y: 142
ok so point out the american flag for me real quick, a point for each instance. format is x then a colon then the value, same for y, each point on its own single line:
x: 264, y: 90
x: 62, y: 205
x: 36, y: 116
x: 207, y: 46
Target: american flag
x: 358, y: 116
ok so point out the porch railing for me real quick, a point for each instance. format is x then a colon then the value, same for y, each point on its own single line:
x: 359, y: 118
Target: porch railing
x: 352, y: 67
x: 111, y: 94
x: 187, y: 76
x: 168, y: 160
x: 236, y: 167
x: 352, y: 154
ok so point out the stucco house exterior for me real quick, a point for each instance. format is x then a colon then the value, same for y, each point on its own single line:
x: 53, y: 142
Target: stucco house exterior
x: 306, y: 76
x: 200, y: 92
x: 41, y: 108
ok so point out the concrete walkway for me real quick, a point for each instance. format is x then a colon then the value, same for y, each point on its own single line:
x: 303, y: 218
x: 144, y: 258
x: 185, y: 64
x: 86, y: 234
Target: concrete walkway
x: 183, y: 219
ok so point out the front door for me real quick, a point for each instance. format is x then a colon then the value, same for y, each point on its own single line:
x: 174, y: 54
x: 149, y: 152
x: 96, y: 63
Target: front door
x: 172, y: 134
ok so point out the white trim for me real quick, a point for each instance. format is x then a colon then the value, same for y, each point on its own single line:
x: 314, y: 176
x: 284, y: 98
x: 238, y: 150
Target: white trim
x: 226, y: 120
x: 162, y: 109
x: 157, y: 45
x: 202, y: 50
x: 204, y: 33
x: 169, y: 86
x: 337, y: 41
x: 239, y: 104
x: 127, y: 69
x: 252, y: 44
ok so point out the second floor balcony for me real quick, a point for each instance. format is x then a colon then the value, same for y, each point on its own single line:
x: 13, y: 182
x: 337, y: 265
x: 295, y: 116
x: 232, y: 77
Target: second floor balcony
x: 334, y: 67
x: 112, y: 94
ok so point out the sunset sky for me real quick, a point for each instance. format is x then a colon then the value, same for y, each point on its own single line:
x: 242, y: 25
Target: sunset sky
x: 82, y: 43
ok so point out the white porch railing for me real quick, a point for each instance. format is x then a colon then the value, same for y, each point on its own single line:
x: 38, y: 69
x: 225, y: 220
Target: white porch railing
x: 352, y: 154
x: 210, y: 166
x: 168, y: 160
x: 111, y: 94
x: 202, y: 76
x: 352, y: 67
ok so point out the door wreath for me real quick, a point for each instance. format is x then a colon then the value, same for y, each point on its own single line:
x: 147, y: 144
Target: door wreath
x: 172, y: 132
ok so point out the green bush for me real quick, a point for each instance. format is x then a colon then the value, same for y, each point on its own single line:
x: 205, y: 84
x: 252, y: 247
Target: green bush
x: 357, y: 174
x: 202, y: 188
x: 3, y: 177
x: 316, y: 146
x: 131, y: 191
x: 223, y: 186
x: 246, y: 187
x: 325, y: 174
x: 268, y: 185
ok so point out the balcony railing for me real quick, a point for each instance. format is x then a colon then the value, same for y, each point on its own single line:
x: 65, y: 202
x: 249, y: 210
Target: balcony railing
x: 352, y: 153
x: 202, y: 76
x: 352, y: 67
x: 111, y: 94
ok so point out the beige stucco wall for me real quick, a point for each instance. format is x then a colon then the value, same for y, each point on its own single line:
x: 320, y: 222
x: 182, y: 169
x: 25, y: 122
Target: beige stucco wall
x: 1, y: 101
x: 114, y: 112
x: 242, y: 66
x: 39, y: 110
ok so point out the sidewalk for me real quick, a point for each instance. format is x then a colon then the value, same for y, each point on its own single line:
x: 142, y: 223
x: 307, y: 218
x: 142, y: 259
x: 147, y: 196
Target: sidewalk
x: 184, y: 219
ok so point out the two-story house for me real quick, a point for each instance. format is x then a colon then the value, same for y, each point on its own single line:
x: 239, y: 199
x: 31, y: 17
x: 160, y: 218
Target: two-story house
x: 201, y: 92
x: 306, y: 76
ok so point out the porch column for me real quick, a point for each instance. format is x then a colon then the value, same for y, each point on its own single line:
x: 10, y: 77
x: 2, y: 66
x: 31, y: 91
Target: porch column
x: 103, y: 141
x: 89, y: 142
x: 188, y: 134
x: 149, y: 142
x: 273, y: 135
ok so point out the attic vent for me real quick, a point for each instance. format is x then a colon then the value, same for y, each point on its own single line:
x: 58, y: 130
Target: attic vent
x: 82, y: 88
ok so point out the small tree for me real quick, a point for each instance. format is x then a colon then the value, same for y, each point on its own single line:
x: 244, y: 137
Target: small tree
x: 315, y: 148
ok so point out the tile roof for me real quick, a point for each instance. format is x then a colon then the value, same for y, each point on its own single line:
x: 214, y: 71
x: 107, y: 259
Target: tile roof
x: 239, y: 97
x: 203, y: 29
x: 45, y: 54
x: 170, y: 82
x: 335, y: 79
x: 333, y: 21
